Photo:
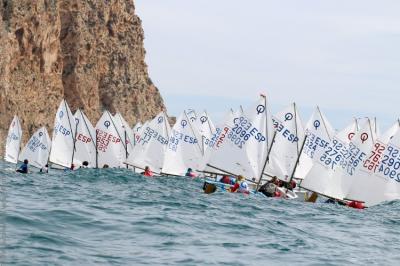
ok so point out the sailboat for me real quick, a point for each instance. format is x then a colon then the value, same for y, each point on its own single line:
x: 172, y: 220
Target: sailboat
x: 126, y: 134
x: 319, y: 177
x: 110, y: 145
x: 336, y: 170
x: 287, y: 144
x: 85, y: 141
x: 378, y: 179
x: 217, y: 138
x: 206, y: 131
x: 62, y: 150
x: 184, y: 150
x: 319, y: 134
x: 150, y: 149
x: 244, y: 143
x: 37, y: 149
x: 13, y: 142
x: 349, y: 166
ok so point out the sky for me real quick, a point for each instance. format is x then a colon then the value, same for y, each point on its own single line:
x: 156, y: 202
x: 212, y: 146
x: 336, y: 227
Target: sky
x: 218, y: 54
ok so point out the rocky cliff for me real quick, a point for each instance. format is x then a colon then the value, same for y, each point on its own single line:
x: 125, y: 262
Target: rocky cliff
x: 89, y: 52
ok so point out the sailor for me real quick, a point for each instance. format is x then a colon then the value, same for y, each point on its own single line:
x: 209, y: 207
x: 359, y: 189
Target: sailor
x: 24, y: 167
x: 71, y: 168
x: 190, y: 173
x: 356, y: 204
x: 85, y: 164
x: 241, y: 185
x: 44, y: 169
x: 225, y: 179
x: 269, y: 188
x: 147, y: 171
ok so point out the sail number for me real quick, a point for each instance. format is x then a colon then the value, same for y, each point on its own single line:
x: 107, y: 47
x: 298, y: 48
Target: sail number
x: 390, y: 164
x: 35, y: 143
x: 150, y: 133
x: 375, y: 157
x: 285, y: 132
x: 59, y: 128
x: 177, y: 137
x: 346, y: 156
x: 242, y: 131
x: 104, y: 139
x: 12, y: 137
x: 313, y: 142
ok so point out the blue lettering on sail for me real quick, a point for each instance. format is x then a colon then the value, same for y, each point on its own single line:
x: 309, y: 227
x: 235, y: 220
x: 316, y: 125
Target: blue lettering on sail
x: 35, y: 143
x: 149, y: 134
x: 177, y: 136
x: 314, y: 143
x: 285, y: 132
x: 243, y: 131
x: 349, y: 157
x: 390, y: 164
x: 12, y: 137
x: 61, y: 129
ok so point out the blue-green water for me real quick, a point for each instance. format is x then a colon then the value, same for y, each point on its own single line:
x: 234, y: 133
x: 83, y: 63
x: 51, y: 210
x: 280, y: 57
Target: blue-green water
x: 114, y: 217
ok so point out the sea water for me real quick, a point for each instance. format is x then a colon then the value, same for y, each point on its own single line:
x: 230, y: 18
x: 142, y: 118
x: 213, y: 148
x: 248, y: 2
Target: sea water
x: 116, y: 217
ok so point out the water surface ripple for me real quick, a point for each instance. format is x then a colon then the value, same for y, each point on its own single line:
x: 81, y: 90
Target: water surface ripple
x: 114, y: 217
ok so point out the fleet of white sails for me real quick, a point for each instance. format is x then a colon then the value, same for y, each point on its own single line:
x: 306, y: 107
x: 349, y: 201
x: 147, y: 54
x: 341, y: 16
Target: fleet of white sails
x: 356, y: 163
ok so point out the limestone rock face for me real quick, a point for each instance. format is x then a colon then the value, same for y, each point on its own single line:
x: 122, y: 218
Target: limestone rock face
x: 89, y: 52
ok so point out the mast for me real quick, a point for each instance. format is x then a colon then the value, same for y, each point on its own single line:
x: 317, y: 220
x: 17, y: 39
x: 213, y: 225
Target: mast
x: 76, y: 131
x: 20, y: 140
x: 323, y: 121
x: 97, y: 152
x: 266, y: 161
x: 72, y: 136
x: 126, y: 148
x: 270, y: 146
x: 298, y: 159
x: 295, y: 125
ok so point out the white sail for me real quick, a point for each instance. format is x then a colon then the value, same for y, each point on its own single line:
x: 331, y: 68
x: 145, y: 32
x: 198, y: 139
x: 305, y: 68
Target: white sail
x: 110, y: 146
x: 287, y: 144
x: 350, y: 160
x: 137, y: 127
x: 217, y: 138
x: 375, y: 127
x: 126, y: 134
x: 389, y: 134
x: 139, y: 131
x: 136, y: 130
x: 319, y: 177
x: 13, y: 141
x: 85, y: 141
x: 150, y: 149
x: 63, y: 136
x: 242, y: 147
x: 37, y: 150
x: 184, y: 150
x: 319, y: 134
x: 379, y: 178
x: 206, y: 131
x: 191, y: 114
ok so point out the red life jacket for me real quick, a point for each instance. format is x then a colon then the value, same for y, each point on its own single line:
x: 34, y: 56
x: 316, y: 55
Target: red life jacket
x: 356, y: 205
x: 148, y: 173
